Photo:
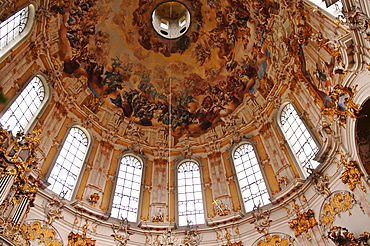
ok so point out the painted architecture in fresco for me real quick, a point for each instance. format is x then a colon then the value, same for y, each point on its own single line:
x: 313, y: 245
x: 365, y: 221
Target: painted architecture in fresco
x: 233, y: 45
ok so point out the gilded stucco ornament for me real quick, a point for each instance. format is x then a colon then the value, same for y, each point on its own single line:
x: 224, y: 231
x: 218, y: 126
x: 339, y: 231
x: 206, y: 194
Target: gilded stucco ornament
x: 340, y: 104
x: 332, y: 49
x: 229, y: 235
x: 352, y: 174
x: 274, y: 239
x: 42, y: 232
x: 355, y: 19
x: 338, y: 203
x: 320, y: 181
x: 20, y: 171
x: 192, y: 235
x: 221, y: 208
x: 75, y: 239
x: 341, y: 236
x: 93, y: 199
x: 240, y: 243
x: 158, y: 217
x: 303, y: 222
x: 261, y: 219
x: 122, y: 232
x: 53, y: 209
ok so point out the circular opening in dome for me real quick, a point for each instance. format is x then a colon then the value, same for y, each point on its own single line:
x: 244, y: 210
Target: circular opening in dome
x: 171, y: 19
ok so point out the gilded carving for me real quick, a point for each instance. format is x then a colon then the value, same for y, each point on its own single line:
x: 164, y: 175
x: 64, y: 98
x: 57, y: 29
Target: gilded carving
x: 341, y: 236
x: 122, y: 232
x: 240, y: 243
x: 261, y: 219
x: 158, y: 217
x: 352, y: 174
x: 75, y: 239
x: 221, y: 208
x: 19, y: 163
x: 341, y: 104
x: 53, y: 210
x: 43, y: 233
x: 340, y: 202
x: 228, y: 236
x: 357, y: 20
x: 303, y: 221
x: 93, y: 199
x: 192, y: 236
x: 320, y: 181
x: 275, y: 240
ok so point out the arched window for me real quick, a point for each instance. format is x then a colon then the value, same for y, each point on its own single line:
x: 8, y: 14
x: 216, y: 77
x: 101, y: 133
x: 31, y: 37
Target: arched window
x: 64, y: 175
x: 251, y: 181
x: 299, y: 138
x: 24, y: 109
x: 13, y: 29
x: 189, y: 194
x: 127, y: 193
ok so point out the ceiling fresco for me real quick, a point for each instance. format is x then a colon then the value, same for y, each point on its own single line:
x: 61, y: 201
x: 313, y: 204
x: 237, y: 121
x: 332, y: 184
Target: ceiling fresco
x: 190, y: 83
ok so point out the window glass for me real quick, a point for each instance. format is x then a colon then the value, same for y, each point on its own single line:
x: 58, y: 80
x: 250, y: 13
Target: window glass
x: 25, y: 107
x: 251, y: 182
x: 13, y: 26
x: 334, y: 9
x: 68, y: 165
x: 190, y: 199
x: 299, y: 138
x: 127, y: 193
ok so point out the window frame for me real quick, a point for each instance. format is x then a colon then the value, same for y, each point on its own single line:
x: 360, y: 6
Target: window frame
x: 329, y: 11
x: 40, y: 110
x: 83, y: 165
x: 14, y: 44
x: 143, y: 165
x: 231, y: 156
x: 199, y: 164
x: 292, y: 153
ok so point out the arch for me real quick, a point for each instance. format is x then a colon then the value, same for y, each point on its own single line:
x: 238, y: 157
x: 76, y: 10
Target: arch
x: 301, y: 142
x: 16, y: 28
x: 67, y: 168
x: 250, y: 177
x: 189, y: 194
x: 128, y: 187
x: 21, y: 113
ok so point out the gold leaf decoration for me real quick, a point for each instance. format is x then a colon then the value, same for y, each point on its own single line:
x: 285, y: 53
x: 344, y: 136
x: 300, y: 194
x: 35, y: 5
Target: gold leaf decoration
x: 351, y: 175
x: 41, y: 232
x: 303, y: 222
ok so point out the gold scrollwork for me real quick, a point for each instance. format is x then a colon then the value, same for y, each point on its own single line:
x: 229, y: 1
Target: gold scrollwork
x: 339, y: 203
x: 75, y: 239
x: 341, y: 104
x: 303, y: 222
x: 274, y: 240
x: 351, y: 175
x: 19, y: 167
x: 240, y: 243
x: 261, y: 219
x: 42, y: 233
x: 341, y: 236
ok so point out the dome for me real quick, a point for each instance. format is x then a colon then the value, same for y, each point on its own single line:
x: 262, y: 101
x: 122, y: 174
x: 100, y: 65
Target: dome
x: 185, y: 122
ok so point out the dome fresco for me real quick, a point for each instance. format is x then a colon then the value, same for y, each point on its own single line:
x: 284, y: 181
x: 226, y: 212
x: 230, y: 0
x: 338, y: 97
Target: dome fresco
x: 231, y: 51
